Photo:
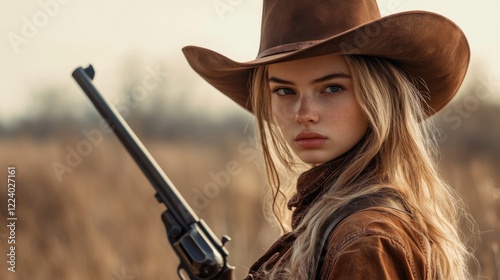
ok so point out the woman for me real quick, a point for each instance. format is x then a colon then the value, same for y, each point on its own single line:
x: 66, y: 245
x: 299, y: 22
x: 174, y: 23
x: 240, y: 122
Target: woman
x: 349, y: 93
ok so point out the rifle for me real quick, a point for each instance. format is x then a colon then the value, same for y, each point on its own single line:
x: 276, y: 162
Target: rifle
x: 202, y: 255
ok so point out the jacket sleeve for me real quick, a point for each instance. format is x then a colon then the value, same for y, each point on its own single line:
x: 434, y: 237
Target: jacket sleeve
x: 371, y: 256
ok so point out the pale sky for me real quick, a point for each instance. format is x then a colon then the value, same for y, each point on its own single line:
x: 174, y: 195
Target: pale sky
x: 44, y: 41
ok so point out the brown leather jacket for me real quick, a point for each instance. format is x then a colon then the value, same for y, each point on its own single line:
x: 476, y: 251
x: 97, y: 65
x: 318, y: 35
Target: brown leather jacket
x: 375, y: 243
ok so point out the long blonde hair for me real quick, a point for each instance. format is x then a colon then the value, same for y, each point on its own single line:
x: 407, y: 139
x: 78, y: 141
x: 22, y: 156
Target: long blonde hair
x: 400, y: 140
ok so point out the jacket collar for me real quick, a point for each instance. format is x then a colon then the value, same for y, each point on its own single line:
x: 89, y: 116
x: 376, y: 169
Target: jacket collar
x: 313, y: 183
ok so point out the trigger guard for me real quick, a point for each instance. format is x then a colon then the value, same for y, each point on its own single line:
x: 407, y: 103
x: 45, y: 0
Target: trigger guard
x: 179, y: 272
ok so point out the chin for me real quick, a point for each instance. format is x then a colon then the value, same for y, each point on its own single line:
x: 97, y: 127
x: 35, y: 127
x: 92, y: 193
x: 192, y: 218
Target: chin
x: 315, y: 159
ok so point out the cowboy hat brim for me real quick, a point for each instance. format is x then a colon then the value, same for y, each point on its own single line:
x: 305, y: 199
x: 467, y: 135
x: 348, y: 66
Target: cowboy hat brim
x: 426, y: 45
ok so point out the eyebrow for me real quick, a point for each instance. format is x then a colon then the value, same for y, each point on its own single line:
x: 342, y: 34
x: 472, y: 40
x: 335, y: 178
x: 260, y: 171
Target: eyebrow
x: 315, y: 81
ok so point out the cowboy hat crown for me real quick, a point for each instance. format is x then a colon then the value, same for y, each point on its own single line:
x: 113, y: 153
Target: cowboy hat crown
x: 288, y: 23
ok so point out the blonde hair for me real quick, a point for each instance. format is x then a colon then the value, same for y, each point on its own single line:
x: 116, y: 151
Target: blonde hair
x: 400, y: 140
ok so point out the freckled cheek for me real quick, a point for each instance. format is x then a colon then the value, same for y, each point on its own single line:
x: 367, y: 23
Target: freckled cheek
x: 282, y: 119
x: 336, y: 120
x: 347, y: 119
x: 280, y: 111
x: 355, y: 121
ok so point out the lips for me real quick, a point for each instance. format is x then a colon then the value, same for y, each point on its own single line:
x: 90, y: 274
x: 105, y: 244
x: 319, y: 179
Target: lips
x: 310, y: 140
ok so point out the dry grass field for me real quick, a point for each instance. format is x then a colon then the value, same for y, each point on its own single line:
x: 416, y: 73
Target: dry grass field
x: 102, y: 221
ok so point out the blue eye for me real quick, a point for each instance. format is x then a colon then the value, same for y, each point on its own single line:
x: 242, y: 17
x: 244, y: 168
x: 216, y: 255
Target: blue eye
x: 283, y: 91
x: 333, y: 88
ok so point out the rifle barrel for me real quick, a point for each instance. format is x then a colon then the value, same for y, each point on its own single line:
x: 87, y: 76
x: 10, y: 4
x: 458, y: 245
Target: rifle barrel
x: 166, y: 191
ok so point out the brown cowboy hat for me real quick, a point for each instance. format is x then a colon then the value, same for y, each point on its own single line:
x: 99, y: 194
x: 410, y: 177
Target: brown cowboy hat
x: 425, y: 45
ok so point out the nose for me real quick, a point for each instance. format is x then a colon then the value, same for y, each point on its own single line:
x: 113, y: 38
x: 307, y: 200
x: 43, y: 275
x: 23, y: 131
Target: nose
x: 307, y: 112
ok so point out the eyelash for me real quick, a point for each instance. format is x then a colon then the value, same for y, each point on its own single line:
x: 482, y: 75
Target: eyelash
x: 276, y: 90
x: 335, y: 85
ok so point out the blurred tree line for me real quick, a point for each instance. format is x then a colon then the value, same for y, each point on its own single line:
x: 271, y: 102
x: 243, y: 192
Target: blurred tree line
x: 166, y: 110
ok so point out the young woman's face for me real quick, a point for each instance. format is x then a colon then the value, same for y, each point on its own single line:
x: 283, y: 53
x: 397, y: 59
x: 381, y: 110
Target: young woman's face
x: 314, y: 105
